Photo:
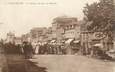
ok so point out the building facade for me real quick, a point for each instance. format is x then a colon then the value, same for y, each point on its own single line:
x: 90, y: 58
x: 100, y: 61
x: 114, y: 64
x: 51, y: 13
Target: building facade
x: 41, y: 34
x: 38, y: 34
x: 65, y: 28
x: 26, y: 37
x: 10, y: 37
x: 18, y: 40
x: 72, y: 30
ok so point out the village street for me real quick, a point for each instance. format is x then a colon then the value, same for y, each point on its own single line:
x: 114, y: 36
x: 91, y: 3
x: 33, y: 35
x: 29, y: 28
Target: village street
x: 3, y: 61
x: 53, y: 63
x: 72, y: 63
x: 57, y: 63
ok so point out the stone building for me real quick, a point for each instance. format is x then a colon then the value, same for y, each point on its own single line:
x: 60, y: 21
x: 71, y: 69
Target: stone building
x: 26, y: 37
x: 38, y: 33
x: 72, y: 29
x: 49, y: 34
x: 65, y: 28
x: 57, y: 28
x: 10, y: 37
x: 18, y: 40
x: 41, y: 34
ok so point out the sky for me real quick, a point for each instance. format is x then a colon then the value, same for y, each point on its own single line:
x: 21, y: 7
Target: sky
x: 19, y: 16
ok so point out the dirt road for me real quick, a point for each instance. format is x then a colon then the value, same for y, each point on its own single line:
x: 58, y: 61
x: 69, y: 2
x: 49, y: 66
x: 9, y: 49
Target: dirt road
x: 69, y: 63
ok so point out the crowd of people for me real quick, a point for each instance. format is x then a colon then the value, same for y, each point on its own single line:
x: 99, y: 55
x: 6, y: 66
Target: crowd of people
x: 25, y: 48
x: 29, y: 49
x: 46, y: 48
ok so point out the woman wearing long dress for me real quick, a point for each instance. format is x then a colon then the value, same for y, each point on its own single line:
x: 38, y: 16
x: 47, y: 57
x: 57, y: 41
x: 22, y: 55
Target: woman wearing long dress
x: 37, y: 49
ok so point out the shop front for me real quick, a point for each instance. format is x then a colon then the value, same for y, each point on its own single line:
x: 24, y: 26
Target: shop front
x: 72, y: 46
x: 68, y: 47
x: 91, y: 41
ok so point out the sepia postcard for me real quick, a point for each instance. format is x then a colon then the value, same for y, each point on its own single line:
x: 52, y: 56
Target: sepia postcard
x: 57, y: 35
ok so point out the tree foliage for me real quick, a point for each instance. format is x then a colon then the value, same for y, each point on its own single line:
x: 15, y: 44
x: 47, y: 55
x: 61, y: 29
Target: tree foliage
x: 101, y: 15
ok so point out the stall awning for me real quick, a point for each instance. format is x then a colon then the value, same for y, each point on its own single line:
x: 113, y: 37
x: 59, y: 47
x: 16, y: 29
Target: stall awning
x: 68, y: 41
x: 112, y: 50
x: 76, y: 41
x: 53, y: 41
x: 98, y: 45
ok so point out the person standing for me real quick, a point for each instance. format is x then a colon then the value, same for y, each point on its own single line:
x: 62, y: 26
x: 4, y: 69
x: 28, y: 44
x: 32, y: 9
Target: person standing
x: 37, y: 48
x: 28, y: 51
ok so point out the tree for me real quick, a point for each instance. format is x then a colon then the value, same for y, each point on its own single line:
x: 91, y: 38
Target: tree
x: 102, y: 16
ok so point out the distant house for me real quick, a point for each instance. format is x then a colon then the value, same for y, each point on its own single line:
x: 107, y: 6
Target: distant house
x: 65, y: 28
x: 38, y: 31
x: 26, y: 37
x: 40, y: 34
x: 18, y: 40
x: 10, y: 37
